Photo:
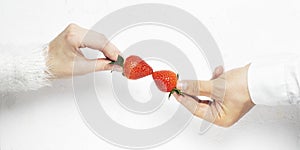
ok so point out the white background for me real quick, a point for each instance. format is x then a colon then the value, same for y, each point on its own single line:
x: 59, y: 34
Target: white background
x: 244, y: 30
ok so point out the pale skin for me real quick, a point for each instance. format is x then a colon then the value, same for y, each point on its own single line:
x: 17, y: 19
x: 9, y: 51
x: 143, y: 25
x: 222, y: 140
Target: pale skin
x: 224, y: 111
x: 64, y: 51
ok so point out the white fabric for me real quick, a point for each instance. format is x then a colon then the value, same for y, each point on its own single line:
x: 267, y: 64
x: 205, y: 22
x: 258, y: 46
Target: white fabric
x: 23, y: 71
x: 275, y: 82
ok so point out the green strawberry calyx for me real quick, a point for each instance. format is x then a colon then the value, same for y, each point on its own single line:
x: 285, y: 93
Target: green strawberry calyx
x: 119, y: 62
x: 175, y: 90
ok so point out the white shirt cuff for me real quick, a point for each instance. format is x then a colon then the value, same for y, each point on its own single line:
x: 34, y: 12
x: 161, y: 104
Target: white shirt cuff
x: 266, y: 83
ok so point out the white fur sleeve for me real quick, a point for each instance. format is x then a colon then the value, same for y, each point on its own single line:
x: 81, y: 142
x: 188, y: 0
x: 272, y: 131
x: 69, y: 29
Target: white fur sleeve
x: 24, y: 70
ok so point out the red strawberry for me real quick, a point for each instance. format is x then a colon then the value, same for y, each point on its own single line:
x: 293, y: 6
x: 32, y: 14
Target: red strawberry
x: 166, y: 81
x: 134, y: 67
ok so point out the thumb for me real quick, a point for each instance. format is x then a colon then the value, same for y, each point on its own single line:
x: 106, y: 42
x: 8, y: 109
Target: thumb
x: 195, y: 87
x: 217, y: 72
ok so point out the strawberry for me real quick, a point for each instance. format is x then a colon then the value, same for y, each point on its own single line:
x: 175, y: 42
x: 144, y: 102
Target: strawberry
x: 166, y: 81
x: 134, y: 67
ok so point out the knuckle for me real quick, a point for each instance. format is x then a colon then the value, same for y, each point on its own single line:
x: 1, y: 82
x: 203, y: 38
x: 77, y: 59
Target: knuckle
x: 71, y: 29
x: 71, y: 38
x: 71, y: 34
x: 102, y: 36
x: 103, y: 40
x: 72, y: 26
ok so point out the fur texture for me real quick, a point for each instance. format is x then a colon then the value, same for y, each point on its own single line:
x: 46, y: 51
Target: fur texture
x: 23, y: 72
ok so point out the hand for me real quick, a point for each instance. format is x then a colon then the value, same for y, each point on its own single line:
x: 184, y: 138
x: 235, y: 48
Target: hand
x: 230, y: 94
x: 64, y: 51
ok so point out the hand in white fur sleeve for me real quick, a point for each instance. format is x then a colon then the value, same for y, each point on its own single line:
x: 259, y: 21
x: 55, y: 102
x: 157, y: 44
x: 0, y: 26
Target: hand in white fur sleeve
x: 36, y: 68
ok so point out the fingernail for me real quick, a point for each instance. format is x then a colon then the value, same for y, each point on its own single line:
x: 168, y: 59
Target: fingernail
x: 117, y: 68
x: 181, y: 85
x: 219, y: 70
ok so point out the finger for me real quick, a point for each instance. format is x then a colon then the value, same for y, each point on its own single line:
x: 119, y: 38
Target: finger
x: 111, y: 51
x: 98, y: 41
x: 197, y: 109
x: 117, y: 68
x: 101, y: 64
x: 210, y: 112
x: 195, y: 87
x: 217, y: 72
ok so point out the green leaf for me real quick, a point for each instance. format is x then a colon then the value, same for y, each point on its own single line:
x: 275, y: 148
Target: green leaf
x: 120, y: 61
x: 170, y: 94
x: 177, y: 91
